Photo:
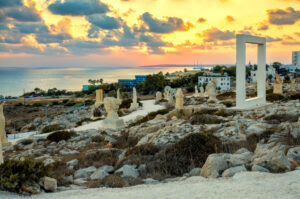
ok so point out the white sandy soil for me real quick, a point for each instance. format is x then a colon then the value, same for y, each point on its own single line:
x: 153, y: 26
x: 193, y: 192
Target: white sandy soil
x: 245, y: 185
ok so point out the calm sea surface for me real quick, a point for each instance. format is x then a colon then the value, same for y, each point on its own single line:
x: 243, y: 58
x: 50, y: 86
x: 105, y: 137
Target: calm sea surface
x: 13, y: 80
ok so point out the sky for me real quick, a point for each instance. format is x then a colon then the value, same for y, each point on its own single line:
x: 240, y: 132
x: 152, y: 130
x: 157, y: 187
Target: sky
x: 81, y: 33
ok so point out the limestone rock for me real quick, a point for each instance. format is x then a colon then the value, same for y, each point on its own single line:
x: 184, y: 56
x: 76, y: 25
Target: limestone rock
x: 3, y: 137
x: 128, y: 171
x: 277, y: 85
x: 211, y: 90
x: 158, y: 96
x: 99, y: 97
x: 49, y: 184
x: 84, y: 173
x: 233, y: 170
x: 272, y: 157
x: 256, y: 167
x: 72, y: 162
x: 217, y: 163
x: 293, y: 155
x: 134, y: 105
x: 102, y: 172
x: 195, y: 172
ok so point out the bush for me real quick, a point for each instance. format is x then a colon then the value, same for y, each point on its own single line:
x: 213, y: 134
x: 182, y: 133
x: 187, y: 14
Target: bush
x: 19, y: 104
x: 274, y: 97
x: 14, y: 174
x: 65, y: 101
x: 97, y: 112
x: 38, y: 104
x: 71, y: 103
x: 145, y: 149
x: 79, y: 123
x: 127, y: 102
x: 279, y: 118
x: 295, y: 96
x: 51, y: 128
x: 98, y: 139
x: 54, y: 103
x: 226, y: 95
x: 228, y: 103
x: 224, y: 113
x: 61, y: 135
x: 114, y: 181
x: 205, y: 119
x: 89, y: 102
x: 190, y: 152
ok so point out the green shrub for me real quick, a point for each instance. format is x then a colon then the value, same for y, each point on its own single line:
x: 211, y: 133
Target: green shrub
x: 60, y: 135
x: 274, y: 97
x: 224, y: 113
x: 228, y: 103
x: 125, y: 103
x: 190, y: 152
x: 19, y: 104
x: 295, y: 96
x: 145, y: 149
x: 52, y: 128
x: 279, y: 118
x: 65, y: 101
x: 54, y: 103
x: 205, y: 119
x: 89, y: 102
x: 114, y: 181
x: 79, y: 123
x: 16, y: 173
x: 226, y: 95
x: 71, y: 103
x: 38, y: 104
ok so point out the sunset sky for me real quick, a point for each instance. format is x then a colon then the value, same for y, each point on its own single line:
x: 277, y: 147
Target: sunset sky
x: 143, y: 32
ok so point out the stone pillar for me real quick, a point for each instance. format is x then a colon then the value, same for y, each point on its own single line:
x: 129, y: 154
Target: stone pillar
x: 179, y: 99
x: 1, y: 152
x: 134, y: 105
x: 211, y: 90
x: 158, y: 96
x: 201, y: 91
x: 112, y: 120
x: 99, y: 97
x: 196, y: 94
x: 2, y: 124
x: 119, y: 95
x: 277, y: 85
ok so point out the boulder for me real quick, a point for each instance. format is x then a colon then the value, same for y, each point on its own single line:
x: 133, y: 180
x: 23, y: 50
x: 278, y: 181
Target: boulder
x: 102, y: 172
x: 293, y: 156
x: 49, y: 184
x: 195, y: 172
x: 233, y: 170
x: 85, y: 173
x: 272, y: 157
x: 72, y: 162
x: 128, y: 171
x: 259, y: 168
x: 216, y: 163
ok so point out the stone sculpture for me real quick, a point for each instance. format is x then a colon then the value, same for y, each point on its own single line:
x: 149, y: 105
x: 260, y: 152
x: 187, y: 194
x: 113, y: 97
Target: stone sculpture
x: 277, y: 85
x: 112, y: 120
x: 134, y: 105
x: 196, y: 94
x: 158, y: 96
x: 179, y: 99
x: 99, y: 97
x: 211, y: 90
x: 2, y: 124
x: 119, y: 95
x: 201, y: 91
x: 1, y: 153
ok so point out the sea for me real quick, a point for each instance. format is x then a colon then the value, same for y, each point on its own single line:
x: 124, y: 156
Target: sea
x: 14, y: 81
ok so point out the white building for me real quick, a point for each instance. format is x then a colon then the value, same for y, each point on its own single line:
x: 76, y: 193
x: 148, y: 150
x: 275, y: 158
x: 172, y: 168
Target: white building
x: 269, y: 71
x: 291, y: 68
x: 223, y: 80
x: 296, y: 58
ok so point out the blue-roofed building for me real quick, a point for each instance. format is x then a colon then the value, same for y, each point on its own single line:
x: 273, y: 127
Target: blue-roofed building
x: 86, y: 87
x: 130, y: 83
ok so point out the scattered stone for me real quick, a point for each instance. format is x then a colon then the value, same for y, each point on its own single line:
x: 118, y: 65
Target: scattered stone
x: 233, y: 170
x: 102, y: 172
x: 195, y: 172
x: 49, y: 184
x: 151, y: 181
x: 72, y: 162
x: 293, y: 155
x: 85, y: 173
x: 128, y: 171
x: 256, y: 167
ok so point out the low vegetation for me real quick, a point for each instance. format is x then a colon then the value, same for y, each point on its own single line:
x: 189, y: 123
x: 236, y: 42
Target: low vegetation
x: 150, y: 116
x: 52, y: 128
x: 16, y: 175
x: 60, y: 135
x: 274, y: 97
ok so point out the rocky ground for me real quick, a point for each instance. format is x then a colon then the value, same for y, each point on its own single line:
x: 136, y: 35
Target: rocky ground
x: 208, y: 139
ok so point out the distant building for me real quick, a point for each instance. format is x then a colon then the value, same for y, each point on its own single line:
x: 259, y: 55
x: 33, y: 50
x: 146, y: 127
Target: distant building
x: 296, y: 58
x: 130, y: 83
x: 87, y: 87
x: 223, y: 80
x: 270, y: 71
